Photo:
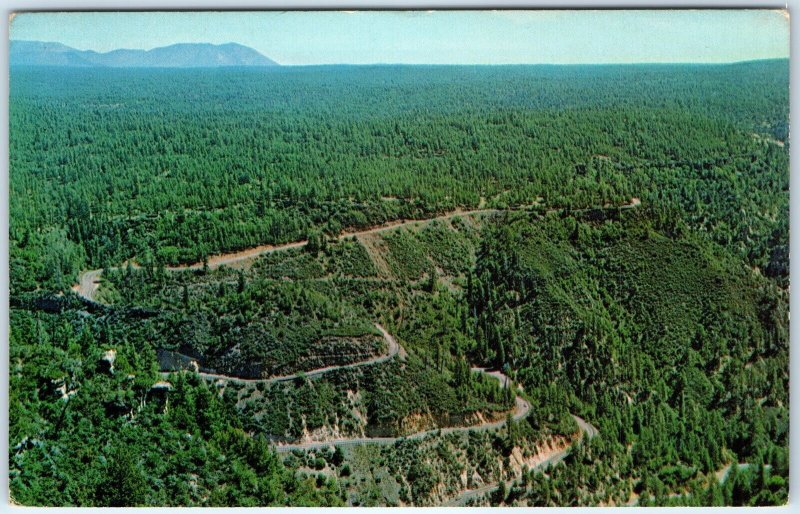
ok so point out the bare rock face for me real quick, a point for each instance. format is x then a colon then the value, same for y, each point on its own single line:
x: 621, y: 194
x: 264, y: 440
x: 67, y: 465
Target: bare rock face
x: 60, y: 389
x: 417, y: 422
x: 159, y: 393
x: 162, y: 386
x: 107, y: 361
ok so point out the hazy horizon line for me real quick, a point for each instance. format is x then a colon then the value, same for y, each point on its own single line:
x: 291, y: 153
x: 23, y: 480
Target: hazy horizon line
x: 377, y: 63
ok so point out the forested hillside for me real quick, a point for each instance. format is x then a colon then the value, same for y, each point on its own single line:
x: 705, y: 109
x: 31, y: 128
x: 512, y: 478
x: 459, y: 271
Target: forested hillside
x: 668, y: 344
x: 175, y: 165
x: 610, y: 241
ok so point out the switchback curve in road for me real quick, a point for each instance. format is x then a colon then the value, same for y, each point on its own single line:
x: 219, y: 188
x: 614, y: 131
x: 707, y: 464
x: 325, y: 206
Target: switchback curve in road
x: 521, y: 406
x: 521, y: 409
x: 393, y: 348
x: 89, y: 283
x: 587, y: 430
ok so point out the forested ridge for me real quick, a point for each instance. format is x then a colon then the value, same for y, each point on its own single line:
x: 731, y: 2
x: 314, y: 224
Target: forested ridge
x: 675, y: 351
x: 107, y: 170
x: 633, y: 270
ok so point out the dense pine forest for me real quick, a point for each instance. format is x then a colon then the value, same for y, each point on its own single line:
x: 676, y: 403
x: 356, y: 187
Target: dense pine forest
x: 614, y: 239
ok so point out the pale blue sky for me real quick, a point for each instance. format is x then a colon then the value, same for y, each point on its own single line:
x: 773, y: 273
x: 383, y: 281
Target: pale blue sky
x: 441, y: 37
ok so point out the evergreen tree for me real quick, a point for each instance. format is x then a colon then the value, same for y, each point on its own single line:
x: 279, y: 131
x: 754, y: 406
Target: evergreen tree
x: 125, y: 484
x: 240, y: 283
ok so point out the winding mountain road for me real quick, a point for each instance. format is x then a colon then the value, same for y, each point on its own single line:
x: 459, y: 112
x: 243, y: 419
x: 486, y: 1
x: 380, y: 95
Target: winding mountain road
x: 89, y: 281
x: 521, y: 409
x: 89, y: 284
x: 586, y: 430
x: 393, y: 348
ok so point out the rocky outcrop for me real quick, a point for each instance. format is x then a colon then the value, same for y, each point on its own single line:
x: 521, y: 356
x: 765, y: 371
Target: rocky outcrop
x: 106, y: 363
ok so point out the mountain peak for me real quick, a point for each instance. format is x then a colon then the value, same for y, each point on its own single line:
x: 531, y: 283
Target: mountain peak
x: 178, y: 55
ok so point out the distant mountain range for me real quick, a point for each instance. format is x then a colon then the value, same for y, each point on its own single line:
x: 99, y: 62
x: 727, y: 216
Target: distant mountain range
x: 182, y: 55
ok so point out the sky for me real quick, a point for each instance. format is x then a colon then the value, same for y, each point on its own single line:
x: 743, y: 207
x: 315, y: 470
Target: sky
x: 434, y: 37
